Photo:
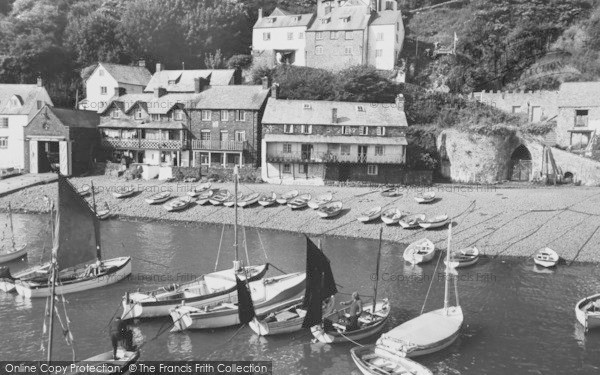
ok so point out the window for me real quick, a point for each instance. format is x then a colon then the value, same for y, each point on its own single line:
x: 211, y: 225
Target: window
x: 378, y: 150
x: 349, y: 35
x: 398, y: 26
x: 296, y: 18
x: 307, y: 106
x: 581, y: 117
x: 346, y: 130
x: 379, y: 37
x: 345, y: 150
x: 240, y: 115
x: 271, y: 20
x: 380, y: 130
x: 178, y: 115
x: 372, y: 170
x: 155, y: 117
x: 206, y: 115
x: 139, y: 114
x: 360, y: 108
x: 304, y: 168
x: 205, y: 135
x: 348, y: 50
x: 288, y: 129
x: 363, y: 130
x: 305, y: 129
x: 319, y: 35
x: 319, y: 50
x: 224, y: 115
x: 287, y: 148
x: 115, y: 113
x: 516, y: 109
x: 103, y: 90
x: 240, y: 136
x: 290, y: 36
x: 378, y: 52
x: 40, y: 104
x: 333, y: 35
x: 4, y: 142
x: 224, y: 135
x: 287, y: 168
x: 300, y: 35
x: 345, y: 19
x: 266, y: 36
x: 3, y: 122
x: 325, y: 20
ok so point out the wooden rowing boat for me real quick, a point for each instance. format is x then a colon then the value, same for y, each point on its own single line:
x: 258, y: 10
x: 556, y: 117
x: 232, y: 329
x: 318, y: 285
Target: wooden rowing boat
x: 546, y: 257
x: 159, y: 197
x: 391, y: 216
x: 205, y: 196
x: 285, y: 198
x: 330, y: 209
x: 219, y: 197
x: 124, y: 192
x: 84, y: 191
x: 179, y: 204
x: 420, y: 251
x: 372, y: 360
x: 232, y: 199
x: 425, y: 197
x: 248, y: 200
x: 587, y: 312
x: 392, y: 193
x: 434, y: 222
x: 299, y: 202
x: 197, y: 190
x: 267, y: 200
x: 320, y: 200
x: 464, y: 257
x: 370, y: 215
x: 411, y: 221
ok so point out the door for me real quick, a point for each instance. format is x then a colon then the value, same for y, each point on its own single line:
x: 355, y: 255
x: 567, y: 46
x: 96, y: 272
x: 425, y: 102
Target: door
x: 307, y: 150
x: 362, y: 154
x: 64, y: 148
x: 224, y: 138
x: 33, y: 156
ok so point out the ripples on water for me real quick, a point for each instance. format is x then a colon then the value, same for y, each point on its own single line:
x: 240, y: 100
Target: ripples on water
x: 518, y: 319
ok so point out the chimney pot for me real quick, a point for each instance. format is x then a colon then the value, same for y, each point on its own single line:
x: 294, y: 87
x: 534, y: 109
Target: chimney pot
x: 142, y: 63
x: 260, y: 13
x: 40, y: 83
x: 158, y: 67
x: 275, y: 91
x: 334, y: 117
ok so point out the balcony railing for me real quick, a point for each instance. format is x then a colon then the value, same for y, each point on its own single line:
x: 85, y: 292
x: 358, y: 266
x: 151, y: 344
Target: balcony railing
x: 312, y: 157
x: 219, y: 145
x: 151, y: 144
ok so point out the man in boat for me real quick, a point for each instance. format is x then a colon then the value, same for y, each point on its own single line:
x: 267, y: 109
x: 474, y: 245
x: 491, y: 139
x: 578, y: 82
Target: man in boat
x: 117, y: 330
x: 93, y: 269
x: 354, y: 311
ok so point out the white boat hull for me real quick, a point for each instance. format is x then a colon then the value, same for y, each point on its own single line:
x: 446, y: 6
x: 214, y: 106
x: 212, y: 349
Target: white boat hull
x: 414, y: 254
x: 438, y: 224
x: 373, y: 361
x: 35, y: 290
x: 589, y: 320
x: 157, y: 200
x: 7, y: 257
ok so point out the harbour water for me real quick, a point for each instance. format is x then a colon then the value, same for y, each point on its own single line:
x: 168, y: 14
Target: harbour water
x: 518, y: 319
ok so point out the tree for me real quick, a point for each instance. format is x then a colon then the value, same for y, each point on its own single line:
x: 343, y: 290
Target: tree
x: 214, y: 61
x: 364, y: 84
x: 239, y: 62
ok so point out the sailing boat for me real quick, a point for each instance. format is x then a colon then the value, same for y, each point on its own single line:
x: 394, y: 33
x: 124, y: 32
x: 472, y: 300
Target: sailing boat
x: 429, y: 332
x: 14, y: 252
x: 206, y: 290
x: 371, y: 321
x: 305, y: 313
x: 76, y: 244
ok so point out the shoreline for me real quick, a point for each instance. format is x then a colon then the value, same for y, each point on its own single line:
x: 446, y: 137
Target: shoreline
x: 499, y: 221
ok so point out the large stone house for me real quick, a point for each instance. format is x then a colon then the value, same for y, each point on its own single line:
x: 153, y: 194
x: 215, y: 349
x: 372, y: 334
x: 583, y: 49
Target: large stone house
x: 339, y: 34
x: 183, y: 80
x: 310, y: 142
x: 18, y: 105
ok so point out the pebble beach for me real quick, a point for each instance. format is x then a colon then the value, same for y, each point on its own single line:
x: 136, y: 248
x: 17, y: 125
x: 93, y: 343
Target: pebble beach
x: 498, y: 220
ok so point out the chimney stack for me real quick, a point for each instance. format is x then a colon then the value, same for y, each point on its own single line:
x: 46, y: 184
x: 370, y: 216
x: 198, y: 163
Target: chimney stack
x: 334, y: 117
x: 400, y: 102
x: 275, y: 91
x: 159, y: 91
x: 119, y: 91
x: 158, y: 67
x: 199, y: 84
x: 142, y: 63
x: 265, y: 83
x: 39, y: 82
x: 260, y: 13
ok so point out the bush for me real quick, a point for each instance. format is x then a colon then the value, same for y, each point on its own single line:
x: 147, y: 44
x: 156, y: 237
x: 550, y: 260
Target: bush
x: 239, y: 62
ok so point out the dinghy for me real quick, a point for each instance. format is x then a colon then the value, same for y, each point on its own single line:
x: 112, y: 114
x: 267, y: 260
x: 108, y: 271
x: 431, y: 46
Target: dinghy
x: 219, y: 197
x: 434, y: 222
x: 197, y: 190
x: 320, y: 200
x: 464, y: 257
x: 178, y: 204
x: 15, y: 252
x: 420, y: 251
x: 372, y: 360
x: 268, y: 295
x: 587, y: 312
x: 546, y: 258
x: 429, y: 332
x: 285, y: 198
x: 104, y: 213
x: 205, y: 196
x: 84, y: 191
x: 124, y: 192
x: 320, y: 290
x: 330, y: 209
x: 159, y: 198
x: 411, y: 221
x: 232, y: 199
x: 425, y: 197
x: 299, y: 202
x: 248, y: 200
x: 76, y: 247
x: 392, y: 193
x: 370, y: 215
x: 267, y: 200
x: 391, y: 216
x: 121, y: 365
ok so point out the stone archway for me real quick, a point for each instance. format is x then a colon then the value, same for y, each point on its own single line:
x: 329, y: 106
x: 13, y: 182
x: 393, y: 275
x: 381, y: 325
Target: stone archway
x: 520, y: 164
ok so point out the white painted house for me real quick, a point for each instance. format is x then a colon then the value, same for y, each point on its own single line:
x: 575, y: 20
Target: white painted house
x: 101, y: 84
x: 386, y: 36
x: 18, y: 104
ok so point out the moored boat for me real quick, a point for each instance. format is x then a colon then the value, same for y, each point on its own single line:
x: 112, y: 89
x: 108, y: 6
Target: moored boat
x: 546, y: 257
x: 320, y: 200
x: 197, y: 190
x: 425, y: 197
x: 330, y: 209
x: 124, y: 192
x: 370, y: 215
x: 434, y: 222
x: 232, y: 199
x: 104, y: 213
x: 120, y: 365
x: 464, y: 257
x: 158, y: 197
x: 391, y: 193
x: 372, y: 360
x: 391, y: 216
x: 15, y: 252
x: 411, y: 221
x: 285, y: 198
x: 587, y: 312
x: 219, y: 197
x: 267, y: 200
x: 299, y: 202
x: 179, y: 204
x: 420, y: 251
x: 205, y: 196
x: 84, y: 191
x: 248, y: 200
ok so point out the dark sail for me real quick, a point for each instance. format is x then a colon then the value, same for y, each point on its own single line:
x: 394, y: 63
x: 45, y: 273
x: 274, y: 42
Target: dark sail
x: 320, y: 284
x: 76, y: 227
x: 245, y: 305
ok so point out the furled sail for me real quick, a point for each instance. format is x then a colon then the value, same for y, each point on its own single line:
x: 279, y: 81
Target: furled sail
x: 320, y: 284
x: 75, y: 239
x: 245, y: 305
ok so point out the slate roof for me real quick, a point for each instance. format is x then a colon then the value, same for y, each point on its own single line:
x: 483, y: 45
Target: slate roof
x: 183, y: 80
x: 359, y: 19
x: 386, y: 17
x: 27, y: 95
x: 280, y: 111
x: 154, y: 105
x: 282, y: 18
x: 75, y: 119
x: 579, y: 94
x: 133, y: 75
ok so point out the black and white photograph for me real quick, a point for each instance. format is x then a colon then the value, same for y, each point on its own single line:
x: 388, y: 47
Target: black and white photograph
x: 305, y: 187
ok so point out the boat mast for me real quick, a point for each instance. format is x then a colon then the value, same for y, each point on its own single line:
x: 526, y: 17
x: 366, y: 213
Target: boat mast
x: 446, y: 289
x: 236, y: 262
x: 96, y: 225
x: 377, y: 271
x: 12, y: 231
x: 53, y: 292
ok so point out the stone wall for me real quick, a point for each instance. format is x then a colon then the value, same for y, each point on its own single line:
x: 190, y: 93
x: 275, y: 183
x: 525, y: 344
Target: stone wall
x: 334, y: 56
x: 536, y: 105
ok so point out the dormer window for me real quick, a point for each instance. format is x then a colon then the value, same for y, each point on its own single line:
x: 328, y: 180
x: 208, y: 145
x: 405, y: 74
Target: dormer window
x: 271, y: 20
x: 16, y: 101
x: 115, y: 113
x: 139, y: 114
x: 307, y: 106
x: 360, y: 108
x: 296, y: 18
x: 172, y: 82
x: 345, y: 19
x: 178, y: 115
x: 325, y: 20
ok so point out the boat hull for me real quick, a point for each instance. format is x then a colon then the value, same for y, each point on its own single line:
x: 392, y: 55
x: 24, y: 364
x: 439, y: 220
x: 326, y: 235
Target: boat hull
x: 5, y: 258
x: 413, y: 256
x: 157, y: 200
x: 121, y: 271
x: 124, y: 360
x: 429, y: 225
x: 589, y: 320
x: 123, y: 195
x: 379, y: 359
